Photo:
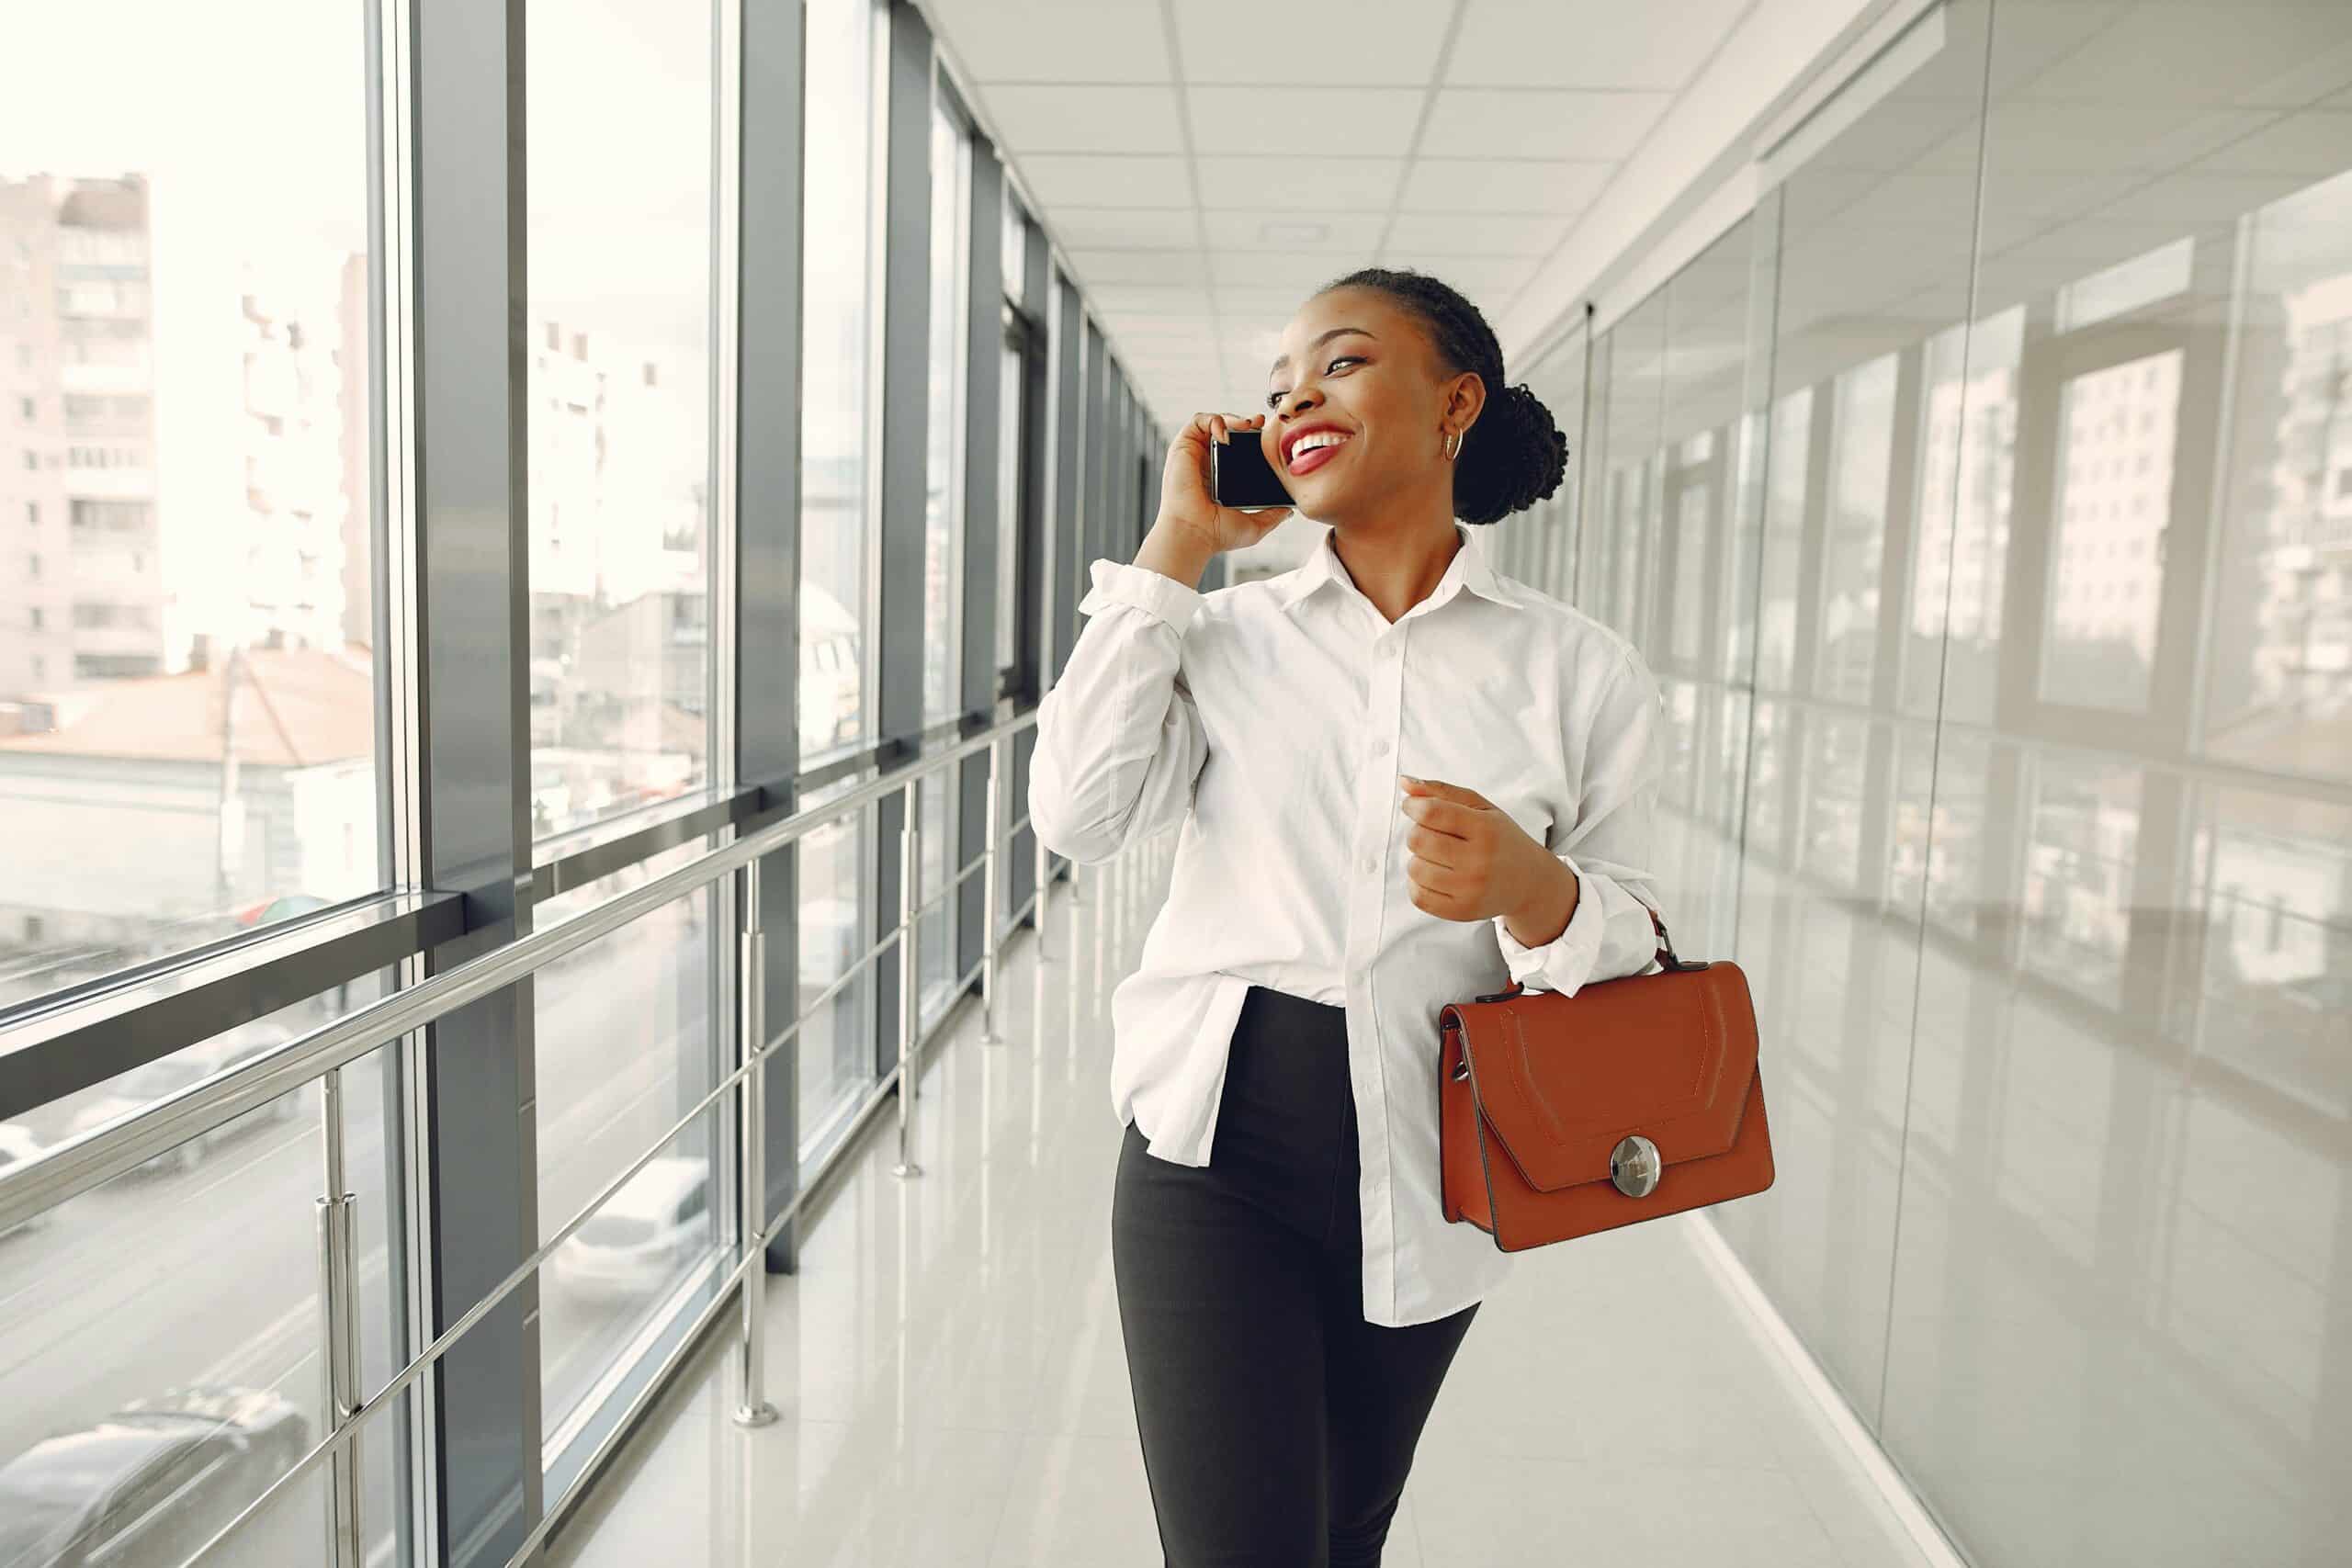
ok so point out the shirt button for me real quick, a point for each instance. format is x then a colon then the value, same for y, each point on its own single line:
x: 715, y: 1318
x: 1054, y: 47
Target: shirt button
x: 1371, y: 862
x: 1380, y: 748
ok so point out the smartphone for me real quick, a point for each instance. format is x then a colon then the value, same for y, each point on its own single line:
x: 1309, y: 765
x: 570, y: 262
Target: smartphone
x: 1239, y: 475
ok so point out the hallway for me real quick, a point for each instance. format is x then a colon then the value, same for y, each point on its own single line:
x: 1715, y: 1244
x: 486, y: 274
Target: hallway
x: 950, y: 1375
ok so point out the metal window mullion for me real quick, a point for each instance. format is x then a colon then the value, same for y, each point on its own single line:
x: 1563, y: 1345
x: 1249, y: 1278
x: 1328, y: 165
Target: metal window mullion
x: 764, y: 457
x: 1032, y: 597
x: 733, y: 985
x: 984, y: 543
x: 897, y: 633
x: 392, y: 468
x: 467, y: 183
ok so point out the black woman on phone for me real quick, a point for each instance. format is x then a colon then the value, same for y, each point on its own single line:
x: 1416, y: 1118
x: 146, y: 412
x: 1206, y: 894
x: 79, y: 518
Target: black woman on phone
x: 1400, y: 778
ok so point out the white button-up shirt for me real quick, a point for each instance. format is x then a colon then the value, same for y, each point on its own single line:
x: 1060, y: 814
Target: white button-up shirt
x: 1269, y: 720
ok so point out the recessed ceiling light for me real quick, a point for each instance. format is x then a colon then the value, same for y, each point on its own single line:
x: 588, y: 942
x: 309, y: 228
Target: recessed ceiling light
x: 1283, y: 233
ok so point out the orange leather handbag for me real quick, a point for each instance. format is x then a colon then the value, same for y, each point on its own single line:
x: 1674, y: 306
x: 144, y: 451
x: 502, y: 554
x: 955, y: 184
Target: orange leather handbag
x: 1637, y: 1097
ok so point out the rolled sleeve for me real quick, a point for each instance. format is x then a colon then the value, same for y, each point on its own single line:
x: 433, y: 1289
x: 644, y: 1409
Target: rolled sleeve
x: 1124, y: 582
x: 1120, y: 743
x: 1609, y: 844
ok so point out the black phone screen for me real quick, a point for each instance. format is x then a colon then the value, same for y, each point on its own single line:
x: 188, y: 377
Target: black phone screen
x: 1239, y: 475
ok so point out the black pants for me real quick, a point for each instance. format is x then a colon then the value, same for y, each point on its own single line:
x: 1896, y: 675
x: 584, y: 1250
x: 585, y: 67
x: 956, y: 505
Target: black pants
x: 1277, y: 1425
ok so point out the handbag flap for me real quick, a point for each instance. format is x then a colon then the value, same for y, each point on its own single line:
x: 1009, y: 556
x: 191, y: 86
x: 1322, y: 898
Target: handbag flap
x: 1561, y: 1080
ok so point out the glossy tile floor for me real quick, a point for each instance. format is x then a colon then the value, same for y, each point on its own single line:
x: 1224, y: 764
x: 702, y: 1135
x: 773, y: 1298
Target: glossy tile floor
x: 953, y: 1389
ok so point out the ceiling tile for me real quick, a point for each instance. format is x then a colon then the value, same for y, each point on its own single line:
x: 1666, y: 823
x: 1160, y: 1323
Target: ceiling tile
x: 1175, y: 331
x: 1285, y: 122
x: 1154, y: 361
x: 1306, y: 184
x: 1344, y: 232
x: 1057, y: 40
x: 1094, y: 118
x: 1462, y: 234
x: 1150, y: 366
x: 1502, y: 184
x: 1526, y: 123
x: 1389, y: 41
x: 1255, y: 303
x: 1274, y: 270
x: 1488, y: 280
x: 1588, y: 43
x: 1159, y: 299
x: 1125, y: 227
x: 1064, y: 179
x: 1139, y: 266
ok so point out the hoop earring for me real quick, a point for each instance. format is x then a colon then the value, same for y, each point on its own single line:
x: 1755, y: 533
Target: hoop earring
x: 1453, y: 446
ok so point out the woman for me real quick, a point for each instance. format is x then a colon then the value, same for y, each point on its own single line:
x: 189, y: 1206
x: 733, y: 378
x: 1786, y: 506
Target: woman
x: 1290, y: 1291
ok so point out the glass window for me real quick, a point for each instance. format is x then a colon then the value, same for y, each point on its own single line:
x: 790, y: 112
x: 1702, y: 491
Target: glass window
x: 1631, y: 470
x: 1559, y: 379
x: 836, y: 349
x: 2115, y: 431
x: 942, y: 598
x: 951, y: 155
x: 1967, y: 467
x: 2128, y: 566
x: 226, y: 1296
x: 1012, y: 422
x: 1776, y: 644
x: 835, y: 1059
x: 618, y: 390
x: 2281, y: 618
x: 1014, y: 237
x: 625, y: 1043
x: 1865, y: 258
x: 1854, y: 528
x: 188, y: 298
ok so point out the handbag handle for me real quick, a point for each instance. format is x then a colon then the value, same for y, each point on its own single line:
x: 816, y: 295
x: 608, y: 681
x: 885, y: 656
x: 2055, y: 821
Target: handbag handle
x: 1667, y: 960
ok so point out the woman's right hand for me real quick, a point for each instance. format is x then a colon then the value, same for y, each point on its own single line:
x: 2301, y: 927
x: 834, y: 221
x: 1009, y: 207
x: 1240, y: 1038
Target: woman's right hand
x: 1185, y: 501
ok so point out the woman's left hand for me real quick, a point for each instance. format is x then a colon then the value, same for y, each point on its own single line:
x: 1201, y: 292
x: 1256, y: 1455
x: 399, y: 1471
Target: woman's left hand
x: 1470, y: 862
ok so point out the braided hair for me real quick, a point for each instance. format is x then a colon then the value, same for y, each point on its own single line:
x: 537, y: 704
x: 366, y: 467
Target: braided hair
x: 1515, y: 454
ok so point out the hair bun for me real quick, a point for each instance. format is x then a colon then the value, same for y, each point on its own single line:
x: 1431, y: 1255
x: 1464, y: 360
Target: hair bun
x: 1520, y: 458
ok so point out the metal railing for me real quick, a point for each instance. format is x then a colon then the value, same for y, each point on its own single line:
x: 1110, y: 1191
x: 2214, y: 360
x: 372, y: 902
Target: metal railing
x: 69, y: 1169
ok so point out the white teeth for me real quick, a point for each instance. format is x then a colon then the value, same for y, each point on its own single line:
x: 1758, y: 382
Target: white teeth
x: 1307, y: 444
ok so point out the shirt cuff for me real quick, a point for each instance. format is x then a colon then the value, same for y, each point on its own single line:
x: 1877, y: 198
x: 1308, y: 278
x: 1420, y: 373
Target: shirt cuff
x: 1124, y: 582
x: 1564, y: 962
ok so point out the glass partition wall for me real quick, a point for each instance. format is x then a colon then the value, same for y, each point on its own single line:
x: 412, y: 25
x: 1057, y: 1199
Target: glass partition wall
x: 1983, y: 500
x: 403, y: 572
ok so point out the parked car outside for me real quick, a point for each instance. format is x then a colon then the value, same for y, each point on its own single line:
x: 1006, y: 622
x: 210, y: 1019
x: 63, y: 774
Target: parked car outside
x: 642, y: 1237
x: 168, y: 1076
x: 149, y: 1484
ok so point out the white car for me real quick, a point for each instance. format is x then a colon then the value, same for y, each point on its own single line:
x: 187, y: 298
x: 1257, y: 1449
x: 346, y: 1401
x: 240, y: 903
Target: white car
x: 17, y: 1144
x: 143, y: 1087
x: 644, y: 1234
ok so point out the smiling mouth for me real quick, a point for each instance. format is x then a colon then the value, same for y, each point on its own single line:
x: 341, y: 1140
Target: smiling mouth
x: 1307, y: 460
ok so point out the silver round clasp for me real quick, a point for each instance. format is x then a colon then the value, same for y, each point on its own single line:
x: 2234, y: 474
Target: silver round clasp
x: 1634, y: 1167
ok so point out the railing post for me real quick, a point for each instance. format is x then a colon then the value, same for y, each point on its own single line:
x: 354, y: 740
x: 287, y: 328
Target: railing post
x: 753, y: 1410
x: 339, y: 1327
x: 910, y: 865
x: 990, y: 885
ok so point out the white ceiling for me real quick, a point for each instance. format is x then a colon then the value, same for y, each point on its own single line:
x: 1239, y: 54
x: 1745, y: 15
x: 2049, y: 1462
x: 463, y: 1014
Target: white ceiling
x: 1206, y: 164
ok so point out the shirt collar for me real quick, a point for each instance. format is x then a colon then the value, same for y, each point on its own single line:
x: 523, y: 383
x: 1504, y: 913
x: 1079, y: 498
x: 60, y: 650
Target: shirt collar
x: 1469, y: 568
